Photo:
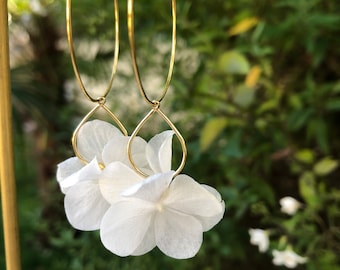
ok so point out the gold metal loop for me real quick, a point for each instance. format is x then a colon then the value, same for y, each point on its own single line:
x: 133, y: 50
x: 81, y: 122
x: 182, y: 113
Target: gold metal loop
x: 131, y: 32
x: 156, y: 109
x: 73, y: 57
x: 101, y: 104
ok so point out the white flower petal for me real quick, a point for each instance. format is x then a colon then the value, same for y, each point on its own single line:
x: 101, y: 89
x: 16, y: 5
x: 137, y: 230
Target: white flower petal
x: 152, y: 188
x: 68, y: 167
x: 148, y: 243
x: 289, y: 205
x: 116, y: 150
x: 287, y: 258
x: 89, y: 171
x: 116, y: 178
x: 125, y: 226
x: 210, y: 222
x: 92, y: 138
x: 188, y: 196
x: 259, y: 238
x: 85, y: 206
x: 159, y: 151
x: 177, y: 235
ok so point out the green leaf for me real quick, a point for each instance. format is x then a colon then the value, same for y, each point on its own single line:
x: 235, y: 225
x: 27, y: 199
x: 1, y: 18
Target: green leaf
x: 299, y: 118
x: 305, y: 156
x: 325, y: 166
x: 333, y: 105
x: 318, y: 130
x: 233, y: 62
x: 233, y: 147
x: 267, y: 106
x: 211, y: 130
x: 244, y: 96
x: 307, y: 189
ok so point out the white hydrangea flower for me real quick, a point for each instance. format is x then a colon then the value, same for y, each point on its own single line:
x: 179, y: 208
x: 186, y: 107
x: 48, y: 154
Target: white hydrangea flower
x: 90, y: 147
x: 288, y: 258
x: 289, y: 205
x: 100, y: 144
x: 259, y: 238
x: 161, y: 211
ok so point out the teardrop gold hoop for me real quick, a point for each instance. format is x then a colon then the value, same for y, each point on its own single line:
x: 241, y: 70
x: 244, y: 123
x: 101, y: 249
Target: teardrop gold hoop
x: 101, y: 99
x: 155, y: 104
x: 156, y: 109
x: 85, y: 119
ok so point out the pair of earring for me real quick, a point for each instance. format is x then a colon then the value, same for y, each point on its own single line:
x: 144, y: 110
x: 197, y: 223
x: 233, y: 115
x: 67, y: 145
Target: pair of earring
x: 124, y: 186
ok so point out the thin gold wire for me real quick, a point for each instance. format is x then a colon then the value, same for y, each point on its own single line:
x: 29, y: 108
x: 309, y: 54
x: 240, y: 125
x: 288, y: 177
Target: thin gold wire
x: 154, y: 103
x: 102, y: 99
x: 73, y: 57
x: 131, y: 32
x: 74, y: 139
x: 180, y: 138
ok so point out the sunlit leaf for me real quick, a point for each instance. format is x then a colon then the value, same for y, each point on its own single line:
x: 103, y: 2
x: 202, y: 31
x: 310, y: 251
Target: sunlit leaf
x: 244, y: 96
x: 253, y: 76
x: 233, y: 62
x: 325, y: 166
x: 305, y: 155
x: 307, y: 189
x: 267, y: 106
x: 243, y: 26
x: 210, y: 131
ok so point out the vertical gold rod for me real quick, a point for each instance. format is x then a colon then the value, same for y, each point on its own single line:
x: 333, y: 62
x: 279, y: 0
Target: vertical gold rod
x: 8, y: 189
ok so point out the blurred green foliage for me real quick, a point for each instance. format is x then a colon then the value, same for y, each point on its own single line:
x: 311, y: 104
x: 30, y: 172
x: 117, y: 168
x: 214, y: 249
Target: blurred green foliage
x: 256, y: 93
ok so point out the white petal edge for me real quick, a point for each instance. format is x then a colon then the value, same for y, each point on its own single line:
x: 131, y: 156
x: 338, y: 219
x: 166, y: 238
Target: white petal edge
x: 125, y: 225
x: 89, y: 171
x: 177, y: 235
x: 209, y: 222
x: 187, y: 196
x: 159, y: 151
x: 116, y: 178
x: 92, y: 138
x: 116, y: 150
x: 68, y: 167
x: 85, y: 206
x: 148, y: 243
x: 152, y: 188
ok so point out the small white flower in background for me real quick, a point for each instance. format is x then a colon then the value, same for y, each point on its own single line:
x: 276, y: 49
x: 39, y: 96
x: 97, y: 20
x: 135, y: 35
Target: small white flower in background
x: 287, y: 258
x: 161, y: 211
x: 289, y: 205
x: 259, y: 238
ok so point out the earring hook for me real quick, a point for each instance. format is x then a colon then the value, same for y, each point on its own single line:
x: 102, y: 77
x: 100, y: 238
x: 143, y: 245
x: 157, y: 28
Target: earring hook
x: 73, y: 56
x: 131, y: 32
x: 102, y: 99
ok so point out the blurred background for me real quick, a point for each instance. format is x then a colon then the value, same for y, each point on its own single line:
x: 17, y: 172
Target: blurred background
x: 255, y: 93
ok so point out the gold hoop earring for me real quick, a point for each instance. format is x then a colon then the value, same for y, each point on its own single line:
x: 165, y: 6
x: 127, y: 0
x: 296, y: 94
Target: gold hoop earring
x: 101, y: 100
x: 155, y: 104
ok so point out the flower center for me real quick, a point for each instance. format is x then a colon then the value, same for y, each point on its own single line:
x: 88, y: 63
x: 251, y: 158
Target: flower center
x: 101, y: 166
x: 159, y: 207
